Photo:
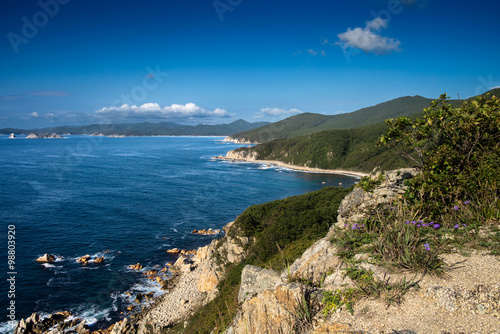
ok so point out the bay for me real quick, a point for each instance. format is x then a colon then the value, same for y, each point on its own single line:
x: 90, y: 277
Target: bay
x: 127, y: 199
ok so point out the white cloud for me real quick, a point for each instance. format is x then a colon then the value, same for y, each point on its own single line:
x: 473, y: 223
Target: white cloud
x: 276, y: 112
x: 154, y: 110
x: 50, y: 115
x: 368, y: 39
x: 312, y: 52
x: 323, y: 53
x: 33, y: 114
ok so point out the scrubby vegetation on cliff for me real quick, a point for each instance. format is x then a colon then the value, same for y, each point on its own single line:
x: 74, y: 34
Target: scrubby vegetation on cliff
x: 451, y: 204
x: 280, y: 232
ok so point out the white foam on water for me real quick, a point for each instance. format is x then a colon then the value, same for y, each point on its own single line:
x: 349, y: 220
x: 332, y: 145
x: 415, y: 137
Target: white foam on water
x: 7, y: 327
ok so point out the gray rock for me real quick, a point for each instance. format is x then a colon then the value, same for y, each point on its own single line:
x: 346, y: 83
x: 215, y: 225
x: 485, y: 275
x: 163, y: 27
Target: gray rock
x: 254, y: 280
x: 358, y: 204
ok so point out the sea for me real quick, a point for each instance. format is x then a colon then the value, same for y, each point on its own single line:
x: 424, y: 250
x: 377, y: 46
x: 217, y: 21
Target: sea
x: 126, y: 199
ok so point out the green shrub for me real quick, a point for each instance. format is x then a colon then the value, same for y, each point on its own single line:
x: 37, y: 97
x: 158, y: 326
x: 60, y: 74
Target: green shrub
x: 457, y: 150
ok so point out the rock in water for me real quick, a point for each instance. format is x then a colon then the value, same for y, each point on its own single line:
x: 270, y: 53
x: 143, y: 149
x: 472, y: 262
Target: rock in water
x: 84, y: 259
x: 136, y: 266
x: 99, y: 260
x: 47, y: 258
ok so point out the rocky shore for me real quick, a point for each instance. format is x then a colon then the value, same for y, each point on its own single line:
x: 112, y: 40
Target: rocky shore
x: 44, y: 136
x: 465, y: 300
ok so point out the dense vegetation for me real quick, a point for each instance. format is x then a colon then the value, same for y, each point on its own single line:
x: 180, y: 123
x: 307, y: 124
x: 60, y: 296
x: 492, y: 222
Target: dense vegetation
x: 453, y: 203
x: 282, y: 230
x: 147, y: 129
x: 307, y: 123
x: 352, y: 149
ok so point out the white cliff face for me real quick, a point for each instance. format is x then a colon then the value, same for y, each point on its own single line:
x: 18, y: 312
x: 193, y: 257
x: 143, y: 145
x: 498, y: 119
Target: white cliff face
x: 246, y: 155
x: 238, y: 140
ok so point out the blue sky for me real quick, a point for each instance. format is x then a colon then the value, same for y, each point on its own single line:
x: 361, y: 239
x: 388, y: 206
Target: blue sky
x: 80, y: 62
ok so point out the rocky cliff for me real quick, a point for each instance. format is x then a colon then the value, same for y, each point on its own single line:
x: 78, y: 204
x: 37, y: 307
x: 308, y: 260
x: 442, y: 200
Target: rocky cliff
x: 465, y: 300
x: 242, y: 154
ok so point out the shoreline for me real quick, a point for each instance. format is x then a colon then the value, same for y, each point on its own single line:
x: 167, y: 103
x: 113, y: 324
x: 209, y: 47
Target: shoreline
x: 297, y: 167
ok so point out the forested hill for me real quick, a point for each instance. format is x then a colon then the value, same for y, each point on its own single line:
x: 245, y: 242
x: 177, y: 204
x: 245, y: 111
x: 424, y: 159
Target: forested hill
x: 351, y: 149
x: 308, y: 123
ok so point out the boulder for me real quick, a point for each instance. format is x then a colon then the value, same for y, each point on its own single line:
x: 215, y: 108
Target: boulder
x: 174, y: 251
x: 46, y: 258
x: 84, y: 259
x: 254, y: 280
x: 150, y: 272
x: 186, y: 252
x: 136, y: 266
x: 99, y: 260
x: 82, y: 328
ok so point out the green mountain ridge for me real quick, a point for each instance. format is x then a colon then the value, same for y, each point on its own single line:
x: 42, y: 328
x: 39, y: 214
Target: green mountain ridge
x: 350, y: 148
x: 309, y: 123
x: 146, y: 129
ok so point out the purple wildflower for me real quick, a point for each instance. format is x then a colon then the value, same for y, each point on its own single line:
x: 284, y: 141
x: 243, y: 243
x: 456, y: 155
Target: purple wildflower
x: 418, y: 225
x: 436, y: 226
x: 345, y: 225
x: 466, y: 202
x: 457, y: 226
x: 464, y: 225
x: 455, y: 207
x: 413, y: 222
x: 427, y: 247
x: 355, y: 226
x: 407, y: 222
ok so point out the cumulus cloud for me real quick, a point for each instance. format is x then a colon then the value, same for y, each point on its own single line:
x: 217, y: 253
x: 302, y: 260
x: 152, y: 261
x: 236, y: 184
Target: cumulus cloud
x: 276, y: 112
x: 33, y: 114
x: 154, y: 110
x: 368, y: 38
x: 312, y: 52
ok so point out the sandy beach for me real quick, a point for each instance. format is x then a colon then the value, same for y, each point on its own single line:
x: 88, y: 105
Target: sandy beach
x: 299, y: 168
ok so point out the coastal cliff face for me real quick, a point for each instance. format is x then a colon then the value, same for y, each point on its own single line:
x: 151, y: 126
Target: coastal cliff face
x: 242, y: 154
x: 239, y: 140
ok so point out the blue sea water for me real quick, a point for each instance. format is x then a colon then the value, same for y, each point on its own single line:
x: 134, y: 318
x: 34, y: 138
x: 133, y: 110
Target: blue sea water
x: 134, y: 197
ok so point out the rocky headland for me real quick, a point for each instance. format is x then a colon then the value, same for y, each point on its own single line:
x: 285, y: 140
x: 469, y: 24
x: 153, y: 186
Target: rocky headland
x: 464, y: 300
